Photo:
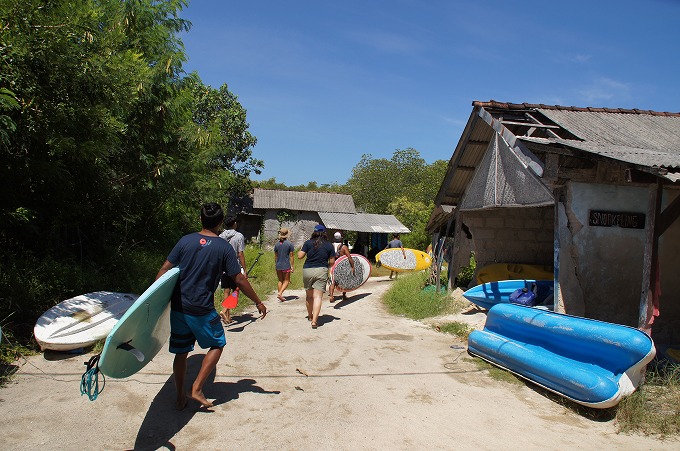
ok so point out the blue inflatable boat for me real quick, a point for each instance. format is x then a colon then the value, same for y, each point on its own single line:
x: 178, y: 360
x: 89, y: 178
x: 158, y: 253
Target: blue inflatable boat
x: 489, y: 294
x: 590, y: 362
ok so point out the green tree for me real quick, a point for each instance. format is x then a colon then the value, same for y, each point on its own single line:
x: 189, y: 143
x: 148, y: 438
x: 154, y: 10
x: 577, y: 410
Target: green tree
x: 377, y: 182
x: 217, y: 152
x: 414, y: 215
x: 95, y: 83
x: 106, y: 145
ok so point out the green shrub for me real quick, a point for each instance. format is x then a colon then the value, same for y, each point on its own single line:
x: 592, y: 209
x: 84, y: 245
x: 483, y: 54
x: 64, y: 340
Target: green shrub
x: 407, y: 297
x: 466, y: 273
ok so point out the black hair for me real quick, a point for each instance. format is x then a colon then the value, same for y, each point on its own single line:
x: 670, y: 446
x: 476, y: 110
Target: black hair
x: 211, y: 215
x: 318, y: 238
x: 230, y: 221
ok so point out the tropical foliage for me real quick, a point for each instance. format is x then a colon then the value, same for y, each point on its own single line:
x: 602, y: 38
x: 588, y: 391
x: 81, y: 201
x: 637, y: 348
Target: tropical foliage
x: 107, y: 147
x: 375, y: 183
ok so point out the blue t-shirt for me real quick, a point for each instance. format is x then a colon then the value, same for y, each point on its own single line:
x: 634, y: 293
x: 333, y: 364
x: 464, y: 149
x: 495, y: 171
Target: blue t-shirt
x: 283, y: 250
x: 202, y: 260
x: 395, y: 243
x: 317, y: 258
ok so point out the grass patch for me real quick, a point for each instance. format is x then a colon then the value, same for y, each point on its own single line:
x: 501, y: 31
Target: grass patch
x: 496, y: 373
x: 654, y: 408
x: 10, y: 352
x: 379, y: 271
x: 407, y: 297
x: 262, y: 278
x: 456, y: 328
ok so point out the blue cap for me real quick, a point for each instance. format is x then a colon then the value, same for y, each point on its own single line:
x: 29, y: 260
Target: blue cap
x: 319, y: 228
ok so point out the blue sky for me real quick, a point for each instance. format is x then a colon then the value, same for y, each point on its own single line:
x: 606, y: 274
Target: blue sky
x: 325, y: 82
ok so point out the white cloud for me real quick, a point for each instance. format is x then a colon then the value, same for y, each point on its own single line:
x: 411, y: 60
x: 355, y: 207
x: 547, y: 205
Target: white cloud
x: 604, y: 89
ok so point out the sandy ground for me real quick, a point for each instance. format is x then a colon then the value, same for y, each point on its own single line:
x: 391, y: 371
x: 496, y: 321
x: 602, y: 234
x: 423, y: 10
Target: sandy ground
x: 363, y: 380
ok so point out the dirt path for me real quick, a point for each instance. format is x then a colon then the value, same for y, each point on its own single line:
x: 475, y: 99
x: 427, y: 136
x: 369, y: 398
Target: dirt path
x: 363, y: 380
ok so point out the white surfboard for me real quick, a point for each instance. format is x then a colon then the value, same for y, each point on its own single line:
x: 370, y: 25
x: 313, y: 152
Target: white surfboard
x: 81, y: 321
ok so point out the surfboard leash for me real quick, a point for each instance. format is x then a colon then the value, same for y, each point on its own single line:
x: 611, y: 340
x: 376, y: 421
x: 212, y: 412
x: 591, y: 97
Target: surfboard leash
x: 89, y: 383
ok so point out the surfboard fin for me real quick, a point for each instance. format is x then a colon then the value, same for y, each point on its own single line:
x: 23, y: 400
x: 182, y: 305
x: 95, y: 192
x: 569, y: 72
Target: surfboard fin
x: 135, y: 352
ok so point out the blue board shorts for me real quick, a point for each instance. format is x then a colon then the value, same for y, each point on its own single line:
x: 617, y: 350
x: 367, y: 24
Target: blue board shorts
x: 185, y: 330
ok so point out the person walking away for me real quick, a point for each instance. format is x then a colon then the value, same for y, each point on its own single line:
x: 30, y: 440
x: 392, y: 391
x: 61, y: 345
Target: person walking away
x: 395, y: 244
x: 284, y: 262
x: 341, y: 248
x: 320, y: 256
x: 238, y: 242
x: 202, y: 258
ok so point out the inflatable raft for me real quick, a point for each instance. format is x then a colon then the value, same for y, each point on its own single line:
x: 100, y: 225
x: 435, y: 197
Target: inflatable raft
x: 590, y: 362
x: 488, y: 294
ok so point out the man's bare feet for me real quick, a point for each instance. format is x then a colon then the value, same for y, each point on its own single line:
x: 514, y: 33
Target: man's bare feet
x: 181, y: 402
x: 198, y: 396
x: 281, y: 298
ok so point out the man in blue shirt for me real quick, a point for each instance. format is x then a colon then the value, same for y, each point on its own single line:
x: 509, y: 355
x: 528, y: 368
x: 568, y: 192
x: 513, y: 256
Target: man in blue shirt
x: 202, y: 257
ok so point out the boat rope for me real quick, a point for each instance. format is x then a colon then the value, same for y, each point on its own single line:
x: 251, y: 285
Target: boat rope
x: 89, y: 383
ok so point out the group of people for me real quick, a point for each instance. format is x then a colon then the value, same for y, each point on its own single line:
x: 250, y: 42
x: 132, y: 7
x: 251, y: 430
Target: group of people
x: 208, y: 258
x: 319, y: 255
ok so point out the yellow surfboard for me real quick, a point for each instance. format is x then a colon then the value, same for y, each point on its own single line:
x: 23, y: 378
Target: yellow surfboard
x: 514, y: 271
x: 393, y: 259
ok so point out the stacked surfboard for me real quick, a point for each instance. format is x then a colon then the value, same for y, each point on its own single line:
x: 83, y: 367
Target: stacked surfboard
x: 81, y: 321
x: 513, y: 271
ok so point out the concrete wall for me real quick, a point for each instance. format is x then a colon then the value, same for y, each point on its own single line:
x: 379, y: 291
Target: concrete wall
x: 511, y: 235
x: 602, y: 278
x: 301, y: 228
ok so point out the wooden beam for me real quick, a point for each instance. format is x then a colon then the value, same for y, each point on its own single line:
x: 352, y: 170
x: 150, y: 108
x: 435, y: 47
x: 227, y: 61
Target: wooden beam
x: 528, y: 124
x: 650, y: 261
x: 466, y: 168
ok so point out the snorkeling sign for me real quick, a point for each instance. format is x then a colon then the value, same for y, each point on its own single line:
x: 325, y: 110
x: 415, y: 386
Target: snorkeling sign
x: 624, y: 220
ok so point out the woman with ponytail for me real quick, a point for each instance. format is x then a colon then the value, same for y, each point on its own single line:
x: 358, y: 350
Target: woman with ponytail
x: 320, y: 257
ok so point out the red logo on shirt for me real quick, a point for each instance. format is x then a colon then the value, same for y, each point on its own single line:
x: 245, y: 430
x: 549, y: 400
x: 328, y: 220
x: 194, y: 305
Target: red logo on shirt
x: 202, y: 241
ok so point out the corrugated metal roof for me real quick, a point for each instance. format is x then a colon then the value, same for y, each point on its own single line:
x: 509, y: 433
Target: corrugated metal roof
x: 641, y: 157
x: 439, y: 217
x: 651, y: 140
x: 363, y: 222
x: 647, y: 139
x: 266, y: 199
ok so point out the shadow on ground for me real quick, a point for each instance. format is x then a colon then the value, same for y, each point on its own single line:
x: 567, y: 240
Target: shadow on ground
x: 162, y: 421
x: 349, y: 300
x: 241, y: 322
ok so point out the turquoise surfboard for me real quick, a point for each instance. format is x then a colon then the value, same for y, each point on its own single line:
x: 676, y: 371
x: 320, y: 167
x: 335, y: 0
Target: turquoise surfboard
x: 141, y: 332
